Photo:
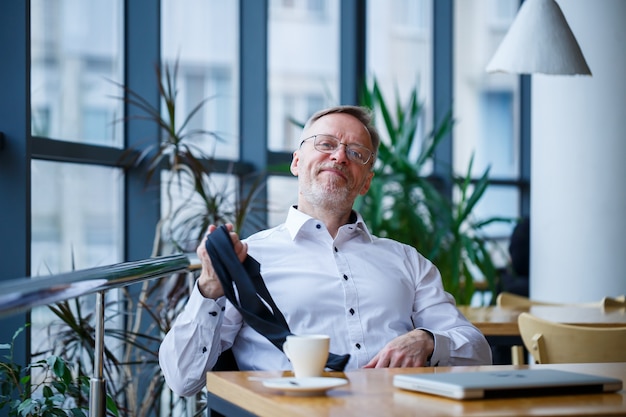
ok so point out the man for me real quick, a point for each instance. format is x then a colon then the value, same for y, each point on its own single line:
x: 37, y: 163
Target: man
x: 379, y: 300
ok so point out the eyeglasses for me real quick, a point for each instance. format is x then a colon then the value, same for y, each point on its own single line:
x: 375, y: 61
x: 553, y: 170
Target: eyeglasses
x: 329, y: 144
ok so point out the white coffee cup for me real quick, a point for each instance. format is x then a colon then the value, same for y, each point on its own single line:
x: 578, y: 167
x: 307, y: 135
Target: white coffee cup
x: 307, y: 353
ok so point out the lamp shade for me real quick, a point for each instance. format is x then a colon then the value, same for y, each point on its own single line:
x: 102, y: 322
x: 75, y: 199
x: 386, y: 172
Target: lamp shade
x: 539, y: 41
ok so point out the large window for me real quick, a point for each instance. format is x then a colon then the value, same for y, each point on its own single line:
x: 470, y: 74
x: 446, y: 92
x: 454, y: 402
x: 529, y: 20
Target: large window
x: 77, y: 207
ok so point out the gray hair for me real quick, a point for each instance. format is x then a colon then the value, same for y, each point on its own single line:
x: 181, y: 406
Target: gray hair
x: 363, y: 114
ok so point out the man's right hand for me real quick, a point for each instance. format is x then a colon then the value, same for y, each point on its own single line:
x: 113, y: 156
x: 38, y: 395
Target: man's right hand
x: 208, y: 282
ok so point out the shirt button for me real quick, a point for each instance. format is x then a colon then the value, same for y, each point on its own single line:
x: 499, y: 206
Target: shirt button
x: 336, y: 250
x: 358, y: 346
x: 213, y: 313
x: 345, y: 277
x: 319, y: 226
x: 351, y: 311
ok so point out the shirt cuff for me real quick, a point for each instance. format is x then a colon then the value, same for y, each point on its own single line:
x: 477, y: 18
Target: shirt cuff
x: 200, y: 307
x: 439, y: 355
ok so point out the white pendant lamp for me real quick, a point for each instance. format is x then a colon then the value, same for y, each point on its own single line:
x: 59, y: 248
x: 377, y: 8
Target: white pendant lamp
x: 539, y: 42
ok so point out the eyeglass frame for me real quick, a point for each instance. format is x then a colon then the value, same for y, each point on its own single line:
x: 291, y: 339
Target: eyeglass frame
x: 349, y: 147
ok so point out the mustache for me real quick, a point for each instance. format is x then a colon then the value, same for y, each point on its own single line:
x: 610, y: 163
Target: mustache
x: 336, y: 167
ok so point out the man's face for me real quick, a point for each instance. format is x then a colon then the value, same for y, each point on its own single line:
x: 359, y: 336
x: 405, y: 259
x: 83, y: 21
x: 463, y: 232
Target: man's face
x: 332, y: 180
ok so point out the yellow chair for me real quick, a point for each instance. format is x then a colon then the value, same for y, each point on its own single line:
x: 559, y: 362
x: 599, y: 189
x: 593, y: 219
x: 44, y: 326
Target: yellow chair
x: 509, y: 300
x: 551, y: 342
x: 617, y: 302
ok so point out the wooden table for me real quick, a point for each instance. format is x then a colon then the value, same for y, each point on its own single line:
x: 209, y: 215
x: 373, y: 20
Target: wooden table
x: 498, y: 321
x: 370, y: 393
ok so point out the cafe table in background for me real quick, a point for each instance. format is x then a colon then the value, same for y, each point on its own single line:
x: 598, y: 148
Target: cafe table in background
x: 500, y: 321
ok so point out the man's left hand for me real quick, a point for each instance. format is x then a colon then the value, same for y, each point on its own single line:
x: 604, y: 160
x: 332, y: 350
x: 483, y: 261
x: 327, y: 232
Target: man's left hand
x: 407, y: 351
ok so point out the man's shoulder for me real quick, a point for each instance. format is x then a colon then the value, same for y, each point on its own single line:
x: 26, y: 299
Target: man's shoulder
x: 267, y: 234
x: 391, y: 243
x: 396, y: 246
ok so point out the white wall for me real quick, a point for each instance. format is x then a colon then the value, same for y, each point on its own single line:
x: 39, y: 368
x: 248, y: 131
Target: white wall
x: 578, y: 172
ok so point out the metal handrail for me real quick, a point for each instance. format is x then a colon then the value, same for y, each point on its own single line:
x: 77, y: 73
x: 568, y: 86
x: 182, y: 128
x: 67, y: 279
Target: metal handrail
x: 23, y: 294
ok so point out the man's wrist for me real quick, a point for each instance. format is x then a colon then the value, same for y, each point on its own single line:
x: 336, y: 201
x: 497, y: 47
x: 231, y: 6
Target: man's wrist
x: 210, y: 287
x: 432, y: 337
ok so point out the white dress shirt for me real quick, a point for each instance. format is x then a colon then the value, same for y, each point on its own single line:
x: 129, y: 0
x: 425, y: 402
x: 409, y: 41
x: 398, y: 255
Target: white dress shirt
x: 361, y: 290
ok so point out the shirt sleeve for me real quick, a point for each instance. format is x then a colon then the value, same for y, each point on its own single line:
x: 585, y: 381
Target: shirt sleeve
x: 463, y: 346
x: 457, y: 341
x: 192, y: 345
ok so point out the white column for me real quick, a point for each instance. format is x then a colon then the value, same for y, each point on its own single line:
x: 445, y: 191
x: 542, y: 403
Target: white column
x: 578, y: 171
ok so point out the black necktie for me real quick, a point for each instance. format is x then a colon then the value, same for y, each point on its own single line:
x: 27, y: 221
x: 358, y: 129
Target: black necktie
x: 254, y: 298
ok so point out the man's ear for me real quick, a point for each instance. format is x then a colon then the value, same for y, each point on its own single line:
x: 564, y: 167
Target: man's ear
x: 366, y: 185
x: 294, y: 163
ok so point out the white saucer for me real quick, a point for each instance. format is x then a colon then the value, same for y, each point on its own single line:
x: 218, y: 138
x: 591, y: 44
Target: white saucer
x: 304, y: 386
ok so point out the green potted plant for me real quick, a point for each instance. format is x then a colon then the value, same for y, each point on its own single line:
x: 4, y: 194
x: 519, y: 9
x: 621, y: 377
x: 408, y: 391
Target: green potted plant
x: 178, y: 152
x: 133, y: 375
x: 408, y: 206
x: 57, y: 392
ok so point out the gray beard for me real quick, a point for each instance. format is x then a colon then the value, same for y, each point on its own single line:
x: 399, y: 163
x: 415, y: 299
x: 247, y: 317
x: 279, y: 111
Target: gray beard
x: 329, y: 197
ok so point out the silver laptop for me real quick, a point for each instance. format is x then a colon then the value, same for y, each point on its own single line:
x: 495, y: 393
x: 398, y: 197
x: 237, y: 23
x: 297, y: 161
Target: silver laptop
x: 506, y: 383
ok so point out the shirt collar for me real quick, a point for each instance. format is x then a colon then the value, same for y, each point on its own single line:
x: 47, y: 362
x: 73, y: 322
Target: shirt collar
x: 297, y: 219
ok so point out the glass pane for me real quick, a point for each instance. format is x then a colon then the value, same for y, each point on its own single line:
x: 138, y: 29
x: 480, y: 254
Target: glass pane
x: 203, y: 37
x: 77, y: 223
x: 498, y: 201
x: 485, y: 105
x: 399, y: 53
x: 189, y: 214
x: 76, y: 217
x: 282, y: 193
x: 303, y: 65
x: 76, y: 59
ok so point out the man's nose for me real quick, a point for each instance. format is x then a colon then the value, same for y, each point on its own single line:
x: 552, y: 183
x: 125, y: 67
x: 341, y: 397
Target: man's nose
x: 340, y: 154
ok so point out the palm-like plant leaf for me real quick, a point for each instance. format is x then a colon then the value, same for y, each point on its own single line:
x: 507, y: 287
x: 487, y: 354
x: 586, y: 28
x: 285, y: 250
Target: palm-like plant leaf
x: 176, y: 145
x: 404, y: 205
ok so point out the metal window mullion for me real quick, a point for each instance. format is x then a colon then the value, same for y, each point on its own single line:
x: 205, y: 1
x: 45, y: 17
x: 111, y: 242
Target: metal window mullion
x: 253, y: 93
x: 443, y: 86
x: 15, y: 159
x: 352, y: 49
x: 142, y: 53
